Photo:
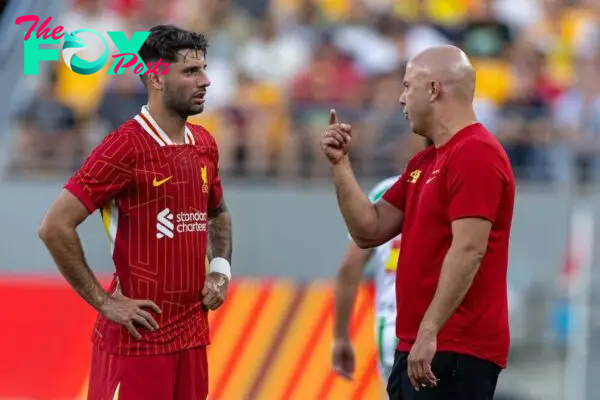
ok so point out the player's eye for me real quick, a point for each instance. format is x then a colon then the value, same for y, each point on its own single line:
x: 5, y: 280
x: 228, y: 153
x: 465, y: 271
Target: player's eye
x: 196, y: 71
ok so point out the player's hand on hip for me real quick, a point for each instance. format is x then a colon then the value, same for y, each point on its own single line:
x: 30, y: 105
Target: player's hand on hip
x: 129, y: 313
x: 335, y: 142
x: 215, y: 290
x: 419, y: 362
x: 342, y: 358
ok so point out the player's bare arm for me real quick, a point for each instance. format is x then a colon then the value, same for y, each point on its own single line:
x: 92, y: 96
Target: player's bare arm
x: 219, y: 232
x: 58, y: 231
x: 219, y: 254
x: 346, y: 286
x: 369, y: 224
x: 469, y: 243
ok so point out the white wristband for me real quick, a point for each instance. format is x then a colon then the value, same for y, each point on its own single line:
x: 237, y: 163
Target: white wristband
x: 221, y: 265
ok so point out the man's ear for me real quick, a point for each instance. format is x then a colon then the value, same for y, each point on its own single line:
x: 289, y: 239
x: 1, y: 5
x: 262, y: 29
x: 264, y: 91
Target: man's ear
x: 435, y: 90
x: 155, y: 81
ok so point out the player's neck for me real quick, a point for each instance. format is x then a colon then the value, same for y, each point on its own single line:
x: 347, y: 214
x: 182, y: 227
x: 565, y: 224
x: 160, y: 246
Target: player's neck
x: 450, y: 125
x: 171, y: 123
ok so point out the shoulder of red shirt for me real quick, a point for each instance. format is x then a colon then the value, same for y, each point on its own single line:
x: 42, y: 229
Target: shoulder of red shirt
x: 479, y: 136
x: 480, y: 149
x: 201, y: 132
x: 125, y: 130
x: 130, y: 132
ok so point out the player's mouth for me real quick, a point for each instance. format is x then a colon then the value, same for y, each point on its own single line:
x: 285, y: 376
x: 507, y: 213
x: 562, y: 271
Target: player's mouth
x: 199, y: 98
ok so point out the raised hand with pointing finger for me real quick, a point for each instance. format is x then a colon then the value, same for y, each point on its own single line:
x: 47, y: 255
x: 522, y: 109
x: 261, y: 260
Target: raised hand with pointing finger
x: 335, y: 142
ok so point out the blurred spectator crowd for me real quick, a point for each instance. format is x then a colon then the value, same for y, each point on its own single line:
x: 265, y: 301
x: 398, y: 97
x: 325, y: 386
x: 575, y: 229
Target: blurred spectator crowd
x: 278, y: 66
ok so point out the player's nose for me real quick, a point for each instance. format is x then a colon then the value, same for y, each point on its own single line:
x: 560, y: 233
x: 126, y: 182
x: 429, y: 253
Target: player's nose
x: 204, y: 82
x: 402, y: 99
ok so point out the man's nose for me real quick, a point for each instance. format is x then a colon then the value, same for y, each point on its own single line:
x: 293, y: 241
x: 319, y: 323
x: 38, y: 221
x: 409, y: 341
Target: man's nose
x: 204, y: 81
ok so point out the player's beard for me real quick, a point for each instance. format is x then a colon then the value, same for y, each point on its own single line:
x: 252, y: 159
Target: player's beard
x: 181, y: 106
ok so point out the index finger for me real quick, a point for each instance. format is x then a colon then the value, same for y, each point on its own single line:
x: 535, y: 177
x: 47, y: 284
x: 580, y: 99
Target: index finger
x: 150, y: 304
x: 332, y: 117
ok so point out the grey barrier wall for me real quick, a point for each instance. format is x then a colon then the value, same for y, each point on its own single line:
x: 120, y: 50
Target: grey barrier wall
x: 290, y: 231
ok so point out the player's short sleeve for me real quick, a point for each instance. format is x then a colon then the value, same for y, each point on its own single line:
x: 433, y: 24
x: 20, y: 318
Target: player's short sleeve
x: 378, y: 191
x: 476, y: 180
x: 106, y: 172
x: 396, y: 194
x: 216, y: 189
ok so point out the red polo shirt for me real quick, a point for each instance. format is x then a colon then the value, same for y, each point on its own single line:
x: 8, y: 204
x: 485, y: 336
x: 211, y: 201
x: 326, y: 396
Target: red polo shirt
x: 469, y: 176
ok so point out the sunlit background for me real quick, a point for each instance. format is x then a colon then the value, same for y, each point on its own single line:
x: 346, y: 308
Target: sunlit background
x: 277, y: 67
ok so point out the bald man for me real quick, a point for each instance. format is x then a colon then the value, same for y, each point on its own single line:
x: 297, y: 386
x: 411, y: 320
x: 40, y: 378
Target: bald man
x: 453, y: 205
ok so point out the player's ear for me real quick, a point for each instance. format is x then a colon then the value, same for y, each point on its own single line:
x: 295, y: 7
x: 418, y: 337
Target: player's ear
x: 434, y: 90
x: 155, y: 81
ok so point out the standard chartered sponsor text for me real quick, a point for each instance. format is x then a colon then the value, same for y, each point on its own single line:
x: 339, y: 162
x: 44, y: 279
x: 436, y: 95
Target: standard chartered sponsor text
x: 191, y: 222
x: 185, y: 222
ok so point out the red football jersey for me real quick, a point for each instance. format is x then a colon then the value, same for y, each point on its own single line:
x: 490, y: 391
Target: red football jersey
x: 154, y: 195
x: 469, y: 176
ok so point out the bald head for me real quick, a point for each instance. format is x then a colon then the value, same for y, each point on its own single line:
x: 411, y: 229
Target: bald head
x: 439, y: 87
x: 450, y: 67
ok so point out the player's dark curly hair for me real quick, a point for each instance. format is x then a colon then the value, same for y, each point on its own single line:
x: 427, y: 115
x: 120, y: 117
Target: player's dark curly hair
x: 165, y: 41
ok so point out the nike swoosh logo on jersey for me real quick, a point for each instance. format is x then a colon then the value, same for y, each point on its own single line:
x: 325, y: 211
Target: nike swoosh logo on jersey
x: 433, y: 175
x: 156, y: 183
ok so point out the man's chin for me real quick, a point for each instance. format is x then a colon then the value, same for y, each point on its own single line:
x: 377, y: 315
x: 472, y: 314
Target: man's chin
x: 418, y: 130
x: 196, y: 109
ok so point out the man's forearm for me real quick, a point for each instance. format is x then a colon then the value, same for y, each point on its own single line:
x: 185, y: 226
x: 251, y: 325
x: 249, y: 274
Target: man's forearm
x: 346, y: 286
x: 65, y: 247
x: 458, y: 270
x: 358, y: 212
x: 219, y: 233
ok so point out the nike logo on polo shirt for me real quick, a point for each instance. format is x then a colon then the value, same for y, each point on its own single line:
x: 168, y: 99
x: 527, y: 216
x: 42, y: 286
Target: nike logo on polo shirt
x: 433, y: 176
x: 156, y: 183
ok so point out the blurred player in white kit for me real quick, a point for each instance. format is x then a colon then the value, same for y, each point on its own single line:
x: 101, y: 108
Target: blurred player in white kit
x: 384, y: 260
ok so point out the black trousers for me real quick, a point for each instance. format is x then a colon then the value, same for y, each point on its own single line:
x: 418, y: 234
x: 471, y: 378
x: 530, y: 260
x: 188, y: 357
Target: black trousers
x: 460, y: 377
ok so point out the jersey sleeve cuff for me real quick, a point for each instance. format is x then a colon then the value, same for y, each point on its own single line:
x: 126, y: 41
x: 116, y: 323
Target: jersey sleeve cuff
x: 78, y: 192
x: 216, y: 197
x: 389, y: 198
x: 463, y: 215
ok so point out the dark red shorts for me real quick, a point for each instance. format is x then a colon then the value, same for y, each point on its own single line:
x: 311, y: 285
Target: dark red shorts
x: 176, y: 376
